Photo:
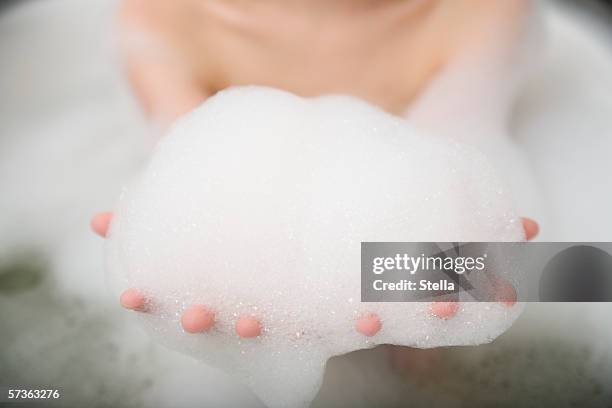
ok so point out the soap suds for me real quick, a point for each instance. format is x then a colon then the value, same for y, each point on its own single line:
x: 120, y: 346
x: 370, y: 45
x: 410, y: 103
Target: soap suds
x: 256, y: 204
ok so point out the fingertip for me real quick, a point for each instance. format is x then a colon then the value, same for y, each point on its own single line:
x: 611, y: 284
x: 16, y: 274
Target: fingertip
x: 248, y: 327
x: 133, y: 299
x: 197, y: 319
x: 531, y: 228
x: 100, y: 223
x: 368, y: 325
x: 444, y: 310
x: 505, y: 292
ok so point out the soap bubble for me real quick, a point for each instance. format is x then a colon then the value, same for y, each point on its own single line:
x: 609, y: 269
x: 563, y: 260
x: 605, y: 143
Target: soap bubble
x: 256, y: 203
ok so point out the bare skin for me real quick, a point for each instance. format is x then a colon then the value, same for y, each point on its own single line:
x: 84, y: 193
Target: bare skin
x: 179, y: 52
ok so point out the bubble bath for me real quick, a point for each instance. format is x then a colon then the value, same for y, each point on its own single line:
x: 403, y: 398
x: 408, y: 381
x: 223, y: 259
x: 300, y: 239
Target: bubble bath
x: 255, y: 204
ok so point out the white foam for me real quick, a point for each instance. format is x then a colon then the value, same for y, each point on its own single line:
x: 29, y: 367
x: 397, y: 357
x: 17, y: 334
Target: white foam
x: 256, y: 203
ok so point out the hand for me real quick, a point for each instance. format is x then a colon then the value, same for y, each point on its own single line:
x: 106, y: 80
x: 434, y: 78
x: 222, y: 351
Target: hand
x: 199, y: 318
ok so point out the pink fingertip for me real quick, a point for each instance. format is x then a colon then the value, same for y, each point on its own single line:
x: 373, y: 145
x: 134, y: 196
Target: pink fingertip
x: 368, y: 325
x: 197, y: 319
x: 505, y: 292
x: 444, y: 310
x: 248, y: 327
x: 100, y: 222
x: 133, y: 299
x: 531, y: 228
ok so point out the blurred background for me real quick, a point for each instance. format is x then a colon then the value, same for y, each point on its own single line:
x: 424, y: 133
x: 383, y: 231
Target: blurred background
x: 71, y: 134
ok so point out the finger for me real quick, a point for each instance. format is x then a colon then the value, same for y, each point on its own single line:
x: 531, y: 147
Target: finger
x: 100, y: 222
x: 248, y: 326
x: 133, y: 299
x: 368, y: 324
x: 197, y: 319
x: 531, y: 228
x: 504, y: 292
x: 444, y: 310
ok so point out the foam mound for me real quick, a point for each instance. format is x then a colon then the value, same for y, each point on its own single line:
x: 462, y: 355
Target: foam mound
x: 256, y: 204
